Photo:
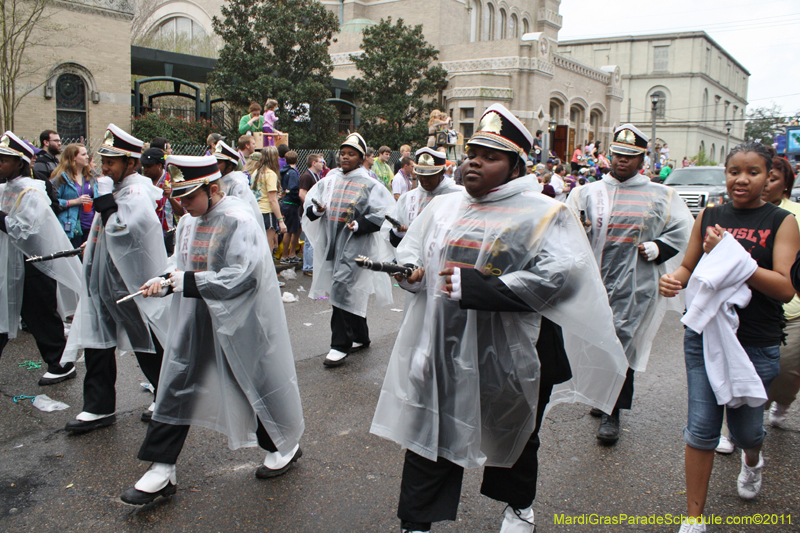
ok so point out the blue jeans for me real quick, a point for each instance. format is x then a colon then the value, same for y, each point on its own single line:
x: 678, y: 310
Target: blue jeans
x: 308, y: 256
x: 746, y: 424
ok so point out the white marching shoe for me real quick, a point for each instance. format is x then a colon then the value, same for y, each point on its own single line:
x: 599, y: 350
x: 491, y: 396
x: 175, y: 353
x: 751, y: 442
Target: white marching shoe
x: 334, y: 358
x: 159, y: 480
x: 276, y: 464
x: 518, y: 521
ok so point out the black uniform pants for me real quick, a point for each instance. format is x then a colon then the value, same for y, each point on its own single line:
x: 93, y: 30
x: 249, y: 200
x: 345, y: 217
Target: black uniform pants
x: 347, y: 328
x: 99, y: 385
x: 164, y: 442
x: 430, y: 490
x: 40, y: 313
x: 625, y: 398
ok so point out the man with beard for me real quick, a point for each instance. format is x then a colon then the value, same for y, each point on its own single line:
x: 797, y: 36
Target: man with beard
x: 46, y: 163
x: 634, y: 226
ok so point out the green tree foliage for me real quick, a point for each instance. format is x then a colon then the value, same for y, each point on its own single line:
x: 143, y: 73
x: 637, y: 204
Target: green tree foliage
x: 702, y: 160
x: 177, y: 130
x: 396, y: 84
x: 279, y: 49
x: 766, y: 122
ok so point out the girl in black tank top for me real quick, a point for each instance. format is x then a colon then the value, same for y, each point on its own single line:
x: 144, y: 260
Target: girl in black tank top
x: 771, y: 237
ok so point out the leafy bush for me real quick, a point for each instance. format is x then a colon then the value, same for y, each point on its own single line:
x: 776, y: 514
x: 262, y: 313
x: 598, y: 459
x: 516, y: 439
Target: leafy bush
x: 701, y: 160
x: 175, y: 129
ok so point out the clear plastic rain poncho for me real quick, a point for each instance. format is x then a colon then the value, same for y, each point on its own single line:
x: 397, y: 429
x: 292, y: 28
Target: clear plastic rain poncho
x: 236, y: 184
x: 410, y: 204
x: 120, y: 257
x: 32, y: 229
x: 347, y: 197
x: 464, y: 384
x: 623, y: 216
x: 229, y: 357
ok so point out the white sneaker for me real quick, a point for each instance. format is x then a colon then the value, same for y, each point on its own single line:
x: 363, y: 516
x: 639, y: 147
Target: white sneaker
x: 334, y: 358
x: 692, y: 527
x: 725, y: 446
x: 749, y: 482
x: 518, y: 520
x: 778, y: 414
x: 158, y: 476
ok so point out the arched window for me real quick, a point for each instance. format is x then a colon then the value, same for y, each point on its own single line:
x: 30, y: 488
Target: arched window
x: 475, y: 21
x: 661, y: 106
x: 71, y: 107
x: 525, y: 27
x: 177, y: 33
x: 722, y: 154
x: 503, y: 34
x: 513, y: 27
x: 702, y: 146
x: 489, y: 22
x: 713, y: 151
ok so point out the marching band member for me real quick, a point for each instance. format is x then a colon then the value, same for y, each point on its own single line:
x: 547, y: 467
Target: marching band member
x: 228, y: 363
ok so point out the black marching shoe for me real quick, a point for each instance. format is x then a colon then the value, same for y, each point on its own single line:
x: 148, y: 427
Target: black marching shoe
x: 608, y: 432
x: 595, y: 412
x: 147, y: 415
x: 51, y: 378
x: 135, y: 496
x: 262, y: 472
x: 85, y: 426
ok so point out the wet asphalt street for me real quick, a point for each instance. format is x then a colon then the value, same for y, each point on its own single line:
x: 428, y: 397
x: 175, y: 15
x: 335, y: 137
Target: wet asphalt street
x: 348, y: 480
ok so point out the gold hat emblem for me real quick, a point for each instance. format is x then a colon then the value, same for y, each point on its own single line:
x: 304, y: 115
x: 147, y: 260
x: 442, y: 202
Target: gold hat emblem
x: 5, y: 142
x: 491, y: 122
x: 626, y: 137
x: 175, y: 174
x: 108, y: 139
x: 426, y: 159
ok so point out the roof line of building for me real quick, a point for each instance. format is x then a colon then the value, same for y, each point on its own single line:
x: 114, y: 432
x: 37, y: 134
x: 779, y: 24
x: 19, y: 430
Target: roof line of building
x: 652, y: 36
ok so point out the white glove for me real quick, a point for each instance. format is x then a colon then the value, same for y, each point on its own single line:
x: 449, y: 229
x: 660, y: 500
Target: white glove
x: 355, y: 226
x: 455, y: 279
x: 176, y: 279
x: 314, y: 210
x: 650, y: 250
x: 162, y: 292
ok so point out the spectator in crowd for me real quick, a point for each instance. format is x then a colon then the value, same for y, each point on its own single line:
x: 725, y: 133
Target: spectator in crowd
x: 75, y: 189
x: 436, y: 121
x: 547, y: 188
x: 783, y: 391
x: 162, y: 144
x: 212, y: 141
x: 253, y: 121
x: 246, y: 145
x: 46, y: 163
x: 401, y: 183
x: 308, y: 179
x: 457, y: 177
x: 282, y: 149
x: 405, y: 151
x: 369, y: 161
x: 744, y: 368
x: 577, y: 158
x: 290, y: 208
x: 550, y: 164
x: 382, y: 168
x: 665, y: 171
x: 537, y: 146
x: 603, y: 161
x: 153, y: 168
x: 265, y: 189
x: 686, y: 162
x: 270, y: 118
x: 559, y: 183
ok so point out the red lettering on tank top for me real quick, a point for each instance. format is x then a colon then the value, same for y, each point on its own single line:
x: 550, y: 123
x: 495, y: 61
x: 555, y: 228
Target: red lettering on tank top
x: 750, y: 236
x: 764, y: 234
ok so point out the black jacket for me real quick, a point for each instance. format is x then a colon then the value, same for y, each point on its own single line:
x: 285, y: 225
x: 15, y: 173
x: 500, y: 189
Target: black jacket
x: 44, y: 166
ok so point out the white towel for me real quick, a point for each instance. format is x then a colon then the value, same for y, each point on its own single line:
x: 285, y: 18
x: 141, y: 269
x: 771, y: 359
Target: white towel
x: 716, y: 286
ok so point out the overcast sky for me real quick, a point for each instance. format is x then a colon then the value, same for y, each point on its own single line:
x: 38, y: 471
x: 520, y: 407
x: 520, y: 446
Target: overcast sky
x: 763, y: 35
